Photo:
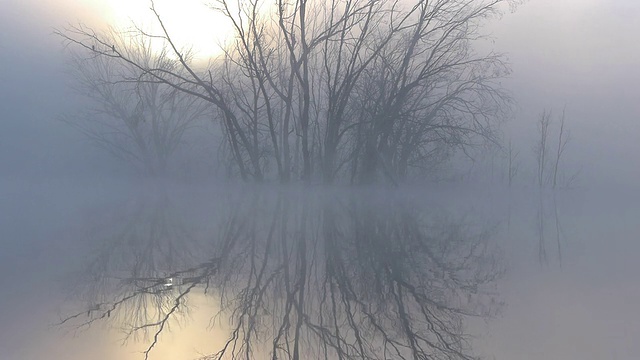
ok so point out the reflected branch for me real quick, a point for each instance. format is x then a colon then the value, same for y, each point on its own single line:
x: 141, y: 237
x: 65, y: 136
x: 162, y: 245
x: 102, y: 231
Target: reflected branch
x: 340, y: 277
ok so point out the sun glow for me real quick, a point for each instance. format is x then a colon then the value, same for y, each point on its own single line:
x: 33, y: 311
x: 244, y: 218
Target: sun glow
x: 190, y: 23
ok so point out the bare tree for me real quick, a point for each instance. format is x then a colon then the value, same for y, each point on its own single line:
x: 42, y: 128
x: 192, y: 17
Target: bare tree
x: 512, y: 164
x: 549, y: 171
x: 541, y: 147
x: 355, y: 88
x: 131, y: 116
x: 563, y: 139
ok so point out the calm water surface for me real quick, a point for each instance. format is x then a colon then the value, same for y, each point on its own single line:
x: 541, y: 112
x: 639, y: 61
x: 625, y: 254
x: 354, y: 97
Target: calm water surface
x: 114, y: 271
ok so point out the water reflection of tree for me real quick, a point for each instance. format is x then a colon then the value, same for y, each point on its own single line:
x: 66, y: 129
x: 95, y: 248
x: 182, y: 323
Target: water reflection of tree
x: 543, y: 216
x: 321, y: 276
x: 130, y: 250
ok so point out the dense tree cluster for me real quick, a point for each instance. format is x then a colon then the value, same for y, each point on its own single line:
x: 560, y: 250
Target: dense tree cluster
x: 357, y: 90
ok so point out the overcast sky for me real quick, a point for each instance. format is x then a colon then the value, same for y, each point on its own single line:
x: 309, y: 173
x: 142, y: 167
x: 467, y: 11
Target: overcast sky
x: 580, y: 53
x: 585, y: 54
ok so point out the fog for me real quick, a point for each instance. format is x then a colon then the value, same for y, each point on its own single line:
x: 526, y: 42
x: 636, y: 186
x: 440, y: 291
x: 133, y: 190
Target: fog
x: 296, y: 245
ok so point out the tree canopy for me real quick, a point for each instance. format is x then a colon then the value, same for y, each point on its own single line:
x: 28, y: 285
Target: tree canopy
x: 356, y: 90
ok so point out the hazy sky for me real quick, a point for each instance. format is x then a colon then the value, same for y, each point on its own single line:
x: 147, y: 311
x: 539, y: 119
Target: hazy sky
x: 580, y: 53
x: 584, y: 54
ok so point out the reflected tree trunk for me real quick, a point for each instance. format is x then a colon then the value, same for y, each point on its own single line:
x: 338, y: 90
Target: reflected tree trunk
x: 298, y: 274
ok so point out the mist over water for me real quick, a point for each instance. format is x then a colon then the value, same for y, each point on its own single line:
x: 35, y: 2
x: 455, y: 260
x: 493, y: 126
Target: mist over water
x: 522, y: 275
x: 471, y: 255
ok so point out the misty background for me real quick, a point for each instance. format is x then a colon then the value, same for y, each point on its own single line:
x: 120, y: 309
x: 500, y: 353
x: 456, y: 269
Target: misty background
x: 578, y: 55
x: 575, y: 55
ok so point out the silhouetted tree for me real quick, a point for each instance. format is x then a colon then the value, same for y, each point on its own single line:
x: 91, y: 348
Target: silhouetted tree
x: 513, y: 165
x: 363, y: 89
x: 563, y: 139
x: 541, y: 148
x: 549, y: 171
x: 131, y: 115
